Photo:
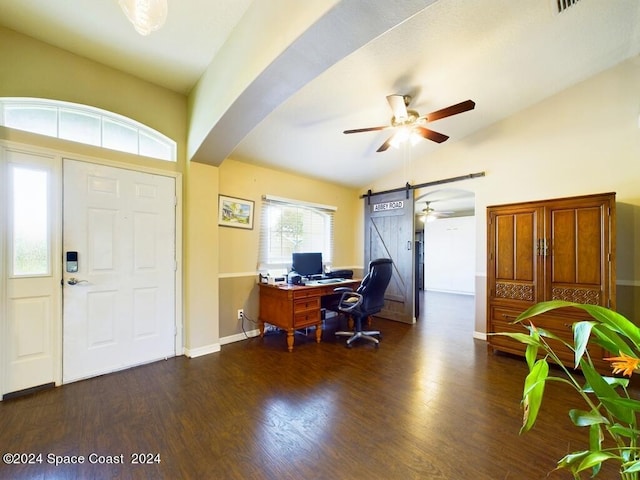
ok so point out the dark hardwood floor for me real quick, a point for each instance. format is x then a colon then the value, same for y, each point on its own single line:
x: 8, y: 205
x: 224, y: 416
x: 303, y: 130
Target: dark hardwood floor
x: 429, y: 403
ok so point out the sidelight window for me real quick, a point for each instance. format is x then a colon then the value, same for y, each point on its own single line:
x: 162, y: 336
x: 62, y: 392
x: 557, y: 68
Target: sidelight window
x: 30, y: 253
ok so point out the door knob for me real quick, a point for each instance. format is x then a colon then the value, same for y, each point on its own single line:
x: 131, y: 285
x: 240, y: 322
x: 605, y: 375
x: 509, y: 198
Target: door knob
x: 75, y: 281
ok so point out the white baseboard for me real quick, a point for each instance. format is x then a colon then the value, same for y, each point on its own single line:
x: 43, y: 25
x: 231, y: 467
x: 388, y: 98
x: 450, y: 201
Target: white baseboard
x: 453, y: 292
x: 200, y: 351
x: 480, y: 335
x: 239, y: 336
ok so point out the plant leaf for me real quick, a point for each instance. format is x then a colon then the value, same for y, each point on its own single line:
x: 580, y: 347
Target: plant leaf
x: 629, y: 403
x: 614, y: 320
x: 530, y: 354
x: 521, y: 337
x: 623, y: 431
x: 571, y: 458
x: 617, y: 322
x: 595, y: 438
x: 607, y: 394
x: 542, y: 307
x: 609, y: 339
x: 634, y: 467
x: 533, y: 393
x: 613, y: 381
x: 581, y: 334
x: 582, y: 418
x: 594, y: 459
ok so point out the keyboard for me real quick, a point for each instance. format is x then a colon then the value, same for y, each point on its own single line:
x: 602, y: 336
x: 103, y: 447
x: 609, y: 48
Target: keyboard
x: 330, y: 280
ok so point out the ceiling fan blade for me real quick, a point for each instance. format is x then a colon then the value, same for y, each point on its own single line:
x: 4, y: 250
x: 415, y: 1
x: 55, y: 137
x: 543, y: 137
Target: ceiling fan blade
x: 398, y: 107
x: 431, y: 135
x: 369, y: 129
x: 385, y: 145
x: 452, y: 110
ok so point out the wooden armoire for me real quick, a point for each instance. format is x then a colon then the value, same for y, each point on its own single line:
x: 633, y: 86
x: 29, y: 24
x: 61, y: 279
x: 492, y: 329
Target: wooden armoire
x: 561, y: 249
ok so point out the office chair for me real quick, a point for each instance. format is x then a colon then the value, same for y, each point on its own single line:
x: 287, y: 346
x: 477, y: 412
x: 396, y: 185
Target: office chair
x: 366, y: 300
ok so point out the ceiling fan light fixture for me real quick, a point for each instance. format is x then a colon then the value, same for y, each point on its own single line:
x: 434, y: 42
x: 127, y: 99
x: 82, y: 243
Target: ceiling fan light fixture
x: 404, y: 134
x: 414, y: 138
x: 145, y: 15
x: 401, y: 136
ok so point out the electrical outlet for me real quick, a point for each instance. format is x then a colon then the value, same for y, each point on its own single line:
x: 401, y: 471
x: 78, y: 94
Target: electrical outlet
x: 240, y: 314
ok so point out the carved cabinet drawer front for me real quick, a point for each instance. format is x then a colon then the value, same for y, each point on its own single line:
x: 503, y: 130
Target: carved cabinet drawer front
x: 504, y: 317
x: 306, y: 318
x: 502, y: 314
x: 306, y: 305
x: 502, y: 321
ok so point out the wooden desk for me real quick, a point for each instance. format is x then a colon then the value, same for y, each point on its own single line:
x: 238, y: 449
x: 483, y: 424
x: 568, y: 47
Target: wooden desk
x: 292, y: 307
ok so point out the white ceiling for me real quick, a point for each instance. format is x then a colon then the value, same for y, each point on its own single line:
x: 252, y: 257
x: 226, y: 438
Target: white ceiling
x: 173, y: 57
x: 505, y: 55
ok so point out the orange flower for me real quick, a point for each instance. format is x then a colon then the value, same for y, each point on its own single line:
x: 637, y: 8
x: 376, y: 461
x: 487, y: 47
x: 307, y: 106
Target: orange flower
x: 624, y: 363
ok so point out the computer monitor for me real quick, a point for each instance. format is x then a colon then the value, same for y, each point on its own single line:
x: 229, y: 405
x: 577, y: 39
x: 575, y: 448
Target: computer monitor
x: 307, y: 264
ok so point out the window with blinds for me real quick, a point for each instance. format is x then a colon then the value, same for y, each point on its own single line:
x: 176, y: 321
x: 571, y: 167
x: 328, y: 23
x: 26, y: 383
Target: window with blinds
x: 289, y: 226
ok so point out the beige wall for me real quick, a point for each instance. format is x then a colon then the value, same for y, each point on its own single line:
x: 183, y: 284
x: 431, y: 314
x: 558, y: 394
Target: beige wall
x: 239, y: 248
x: 29, y: 68
x: 201, y: 257
x: 583, y: 140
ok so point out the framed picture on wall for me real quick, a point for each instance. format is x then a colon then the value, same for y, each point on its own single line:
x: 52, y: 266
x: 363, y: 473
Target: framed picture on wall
x: 235, y: 212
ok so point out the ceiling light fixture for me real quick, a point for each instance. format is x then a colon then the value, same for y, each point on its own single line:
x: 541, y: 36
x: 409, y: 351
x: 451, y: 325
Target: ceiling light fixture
x: 145, y: 15
x: 404, y: 134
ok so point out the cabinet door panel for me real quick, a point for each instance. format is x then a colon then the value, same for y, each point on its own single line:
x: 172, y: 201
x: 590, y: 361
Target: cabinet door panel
x: 514, y: 246
x: 524, y: 241
x: 513, y: 261
x: 577, y: 257
x: 563, y: 246
x: 589, y: 264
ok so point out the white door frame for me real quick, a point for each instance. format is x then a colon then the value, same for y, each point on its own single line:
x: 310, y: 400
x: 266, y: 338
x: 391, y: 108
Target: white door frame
x: 57, y: 254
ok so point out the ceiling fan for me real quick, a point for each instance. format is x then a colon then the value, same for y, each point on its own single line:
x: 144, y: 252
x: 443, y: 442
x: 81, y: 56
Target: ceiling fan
x: 429, y: 214
x: 410, y: 124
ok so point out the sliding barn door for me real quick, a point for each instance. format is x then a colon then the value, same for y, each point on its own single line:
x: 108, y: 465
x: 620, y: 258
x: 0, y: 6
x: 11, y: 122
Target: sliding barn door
x: 389, y: 233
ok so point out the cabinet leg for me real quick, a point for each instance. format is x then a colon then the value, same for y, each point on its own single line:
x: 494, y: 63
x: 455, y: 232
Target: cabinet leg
x: 290, y: 334
x: 318, y: 333
x: 261, y: 327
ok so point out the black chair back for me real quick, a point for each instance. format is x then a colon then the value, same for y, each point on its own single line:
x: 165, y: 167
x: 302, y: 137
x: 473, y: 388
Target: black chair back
x: 374, y: 284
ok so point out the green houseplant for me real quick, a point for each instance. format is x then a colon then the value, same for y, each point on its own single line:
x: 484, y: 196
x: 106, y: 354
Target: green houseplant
x: 610, y: 414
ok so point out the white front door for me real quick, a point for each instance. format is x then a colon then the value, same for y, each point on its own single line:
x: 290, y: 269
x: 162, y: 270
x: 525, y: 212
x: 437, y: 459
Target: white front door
x: 119, y: 306
x: 30, y: 313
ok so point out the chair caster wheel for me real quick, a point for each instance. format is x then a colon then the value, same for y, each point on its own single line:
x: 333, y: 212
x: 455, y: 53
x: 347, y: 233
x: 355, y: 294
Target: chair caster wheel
x: 349, y: 345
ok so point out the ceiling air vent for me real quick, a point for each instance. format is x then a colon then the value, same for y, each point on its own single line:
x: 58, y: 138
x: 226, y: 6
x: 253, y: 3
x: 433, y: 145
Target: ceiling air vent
x: 561, y: 5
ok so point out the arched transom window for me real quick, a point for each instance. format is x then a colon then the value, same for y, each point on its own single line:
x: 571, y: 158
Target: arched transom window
x: 85, y: 124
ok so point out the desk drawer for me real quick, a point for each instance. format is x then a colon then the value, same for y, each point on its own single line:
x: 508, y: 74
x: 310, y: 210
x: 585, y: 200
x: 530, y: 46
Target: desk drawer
x: 305, y: 319
x: 306, y: 293
x: 306, y: 305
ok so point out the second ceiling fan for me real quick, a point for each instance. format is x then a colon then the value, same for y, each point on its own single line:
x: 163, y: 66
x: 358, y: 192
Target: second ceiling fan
x: 409, y: 122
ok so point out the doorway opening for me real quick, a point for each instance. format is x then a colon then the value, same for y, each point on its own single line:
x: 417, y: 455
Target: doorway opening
x: 445, y: 237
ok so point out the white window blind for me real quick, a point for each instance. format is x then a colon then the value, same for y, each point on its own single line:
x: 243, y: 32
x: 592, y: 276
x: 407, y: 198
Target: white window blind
x: 289, y: 226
